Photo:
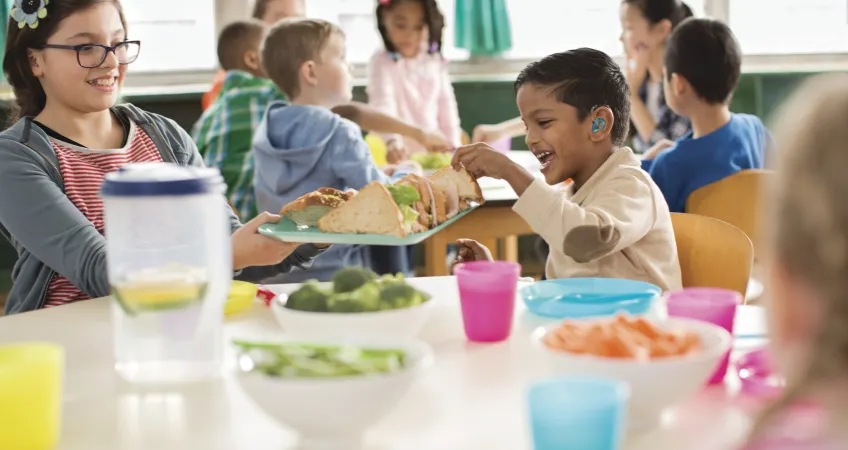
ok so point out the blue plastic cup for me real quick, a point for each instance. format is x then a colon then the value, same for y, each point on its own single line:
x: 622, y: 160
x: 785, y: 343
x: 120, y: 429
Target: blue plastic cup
x: 577, y: 413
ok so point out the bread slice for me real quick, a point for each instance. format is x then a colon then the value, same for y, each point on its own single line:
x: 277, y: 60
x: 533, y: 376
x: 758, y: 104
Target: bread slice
x: 307, y: 209
x: 371, y: 211
x: 459, y: 187
x: 466, y: 186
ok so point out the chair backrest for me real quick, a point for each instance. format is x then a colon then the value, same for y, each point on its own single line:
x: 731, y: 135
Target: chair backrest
x: 712, y: 253
x: 735, y: 199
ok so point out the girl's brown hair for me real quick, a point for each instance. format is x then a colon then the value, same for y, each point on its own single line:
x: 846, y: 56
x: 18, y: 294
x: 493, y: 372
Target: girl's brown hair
x: 808, y: 221
x: 433, y: 17
x: 29, y: 95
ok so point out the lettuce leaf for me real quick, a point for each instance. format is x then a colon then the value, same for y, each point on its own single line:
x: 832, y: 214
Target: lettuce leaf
x: 403, y: 195
x: 409, y: 214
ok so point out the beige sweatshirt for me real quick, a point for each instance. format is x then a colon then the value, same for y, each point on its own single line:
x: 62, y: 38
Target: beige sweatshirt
x: 616, y: 226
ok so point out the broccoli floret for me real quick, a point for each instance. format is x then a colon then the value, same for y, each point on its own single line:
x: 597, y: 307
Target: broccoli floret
x: 364, y: 299
x: 310, y: 297
x: 351, y: 278
x: 396, y: 295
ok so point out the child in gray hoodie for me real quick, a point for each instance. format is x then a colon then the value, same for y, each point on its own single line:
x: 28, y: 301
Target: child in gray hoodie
x: 302, y: 146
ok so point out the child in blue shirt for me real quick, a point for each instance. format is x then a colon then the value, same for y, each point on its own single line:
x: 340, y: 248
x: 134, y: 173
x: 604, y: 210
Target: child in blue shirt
x: 702, y: 67
x: 303, y: 145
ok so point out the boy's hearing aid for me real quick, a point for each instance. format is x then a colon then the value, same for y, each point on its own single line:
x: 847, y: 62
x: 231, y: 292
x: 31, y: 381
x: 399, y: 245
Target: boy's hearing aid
x: 599, y: 124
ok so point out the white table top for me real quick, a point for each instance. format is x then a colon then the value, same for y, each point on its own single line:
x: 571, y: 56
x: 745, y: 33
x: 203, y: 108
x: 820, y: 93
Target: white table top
x: 471, y: 399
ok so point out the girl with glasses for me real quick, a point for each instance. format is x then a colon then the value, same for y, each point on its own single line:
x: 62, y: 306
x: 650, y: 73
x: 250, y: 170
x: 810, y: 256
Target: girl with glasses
x: 66, y: 62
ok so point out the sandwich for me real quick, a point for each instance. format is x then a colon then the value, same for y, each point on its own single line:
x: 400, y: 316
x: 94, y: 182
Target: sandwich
x: 306, y: 210
x: 431, y: 207
x: 412, y: 205
x: 459, y: 187
x: 376, y: 209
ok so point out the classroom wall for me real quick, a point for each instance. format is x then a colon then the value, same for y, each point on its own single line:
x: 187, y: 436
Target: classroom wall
x: 479, y: 102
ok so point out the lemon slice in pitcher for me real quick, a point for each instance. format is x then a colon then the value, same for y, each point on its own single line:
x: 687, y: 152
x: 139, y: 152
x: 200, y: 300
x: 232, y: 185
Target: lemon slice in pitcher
x: 159, y: 290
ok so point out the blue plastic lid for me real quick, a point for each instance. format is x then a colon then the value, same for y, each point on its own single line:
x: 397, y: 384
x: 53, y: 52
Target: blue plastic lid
x: 161, y: 179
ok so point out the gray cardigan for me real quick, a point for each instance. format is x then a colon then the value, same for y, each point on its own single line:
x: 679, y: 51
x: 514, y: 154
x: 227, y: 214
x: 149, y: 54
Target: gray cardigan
x: 51, y: 235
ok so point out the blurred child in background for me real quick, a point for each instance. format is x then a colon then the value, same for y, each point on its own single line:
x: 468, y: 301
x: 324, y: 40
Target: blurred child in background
x: 268, y: 12
x: 703, y: 63
x: 224, y: 133
x: 612, y: 221
x: 646, y: 26
x: 303, y: 145
x: 409, y: 77
x: 808, y: 305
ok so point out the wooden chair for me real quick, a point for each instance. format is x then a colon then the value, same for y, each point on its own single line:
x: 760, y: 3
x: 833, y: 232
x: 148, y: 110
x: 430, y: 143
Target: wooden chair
x: 735, y: 200
x: 712, y: 253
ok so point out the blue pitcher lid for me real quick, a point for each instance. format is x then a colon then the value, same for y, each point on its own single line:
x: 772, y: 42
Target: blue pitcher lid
x: 161, y: 179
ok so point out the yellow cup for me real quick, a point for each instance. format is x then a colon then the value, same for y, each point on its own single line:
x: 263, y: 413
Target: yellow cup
x: 30, y: 395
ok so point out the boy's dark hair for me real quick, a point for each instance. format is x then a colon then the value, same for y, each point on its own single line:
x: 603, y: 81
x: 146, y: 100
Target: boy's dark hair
x: 29, y: 95
x: 289, y: 44
x: 433, y: 17
x: 236, y: 39
x: 705, y: 52
x: 584, y: 78
x: 655, y: 11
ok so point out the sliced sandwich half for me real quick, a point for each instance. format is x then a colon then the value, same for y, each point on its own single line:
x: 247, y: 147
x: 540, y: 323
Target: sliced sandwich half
x: 432, y: 207
x: 307, y: 209
x: 459, y: 187
x: 376, y: 209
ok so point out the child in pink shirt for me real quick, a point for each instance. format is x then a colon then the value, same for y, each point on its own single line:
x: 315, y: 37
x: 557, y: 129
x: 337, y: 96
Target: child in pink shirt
x: 808, y: 280
x: 409, y: 79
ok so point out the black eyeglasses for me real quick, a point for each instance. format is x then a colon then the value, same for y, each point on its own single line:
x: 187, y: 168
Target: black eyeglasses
x: 90, y: 56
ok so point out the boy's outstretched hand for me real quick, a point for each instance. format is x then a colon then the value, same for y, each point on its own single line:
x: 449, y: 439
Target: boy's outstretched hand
x: 471, y: 250
x: 434, y: 141
x: 482, y: 161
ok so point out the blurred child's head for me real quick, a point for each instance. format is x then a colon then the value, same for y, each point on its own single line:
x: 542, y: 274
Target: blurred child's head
x: 408, y: 25
x: 272, y: 11
x: 646, y: 24
x: 306, y: 58
x: 576, y: 106
x: 702, y: 65
x: 239, y: 44
x: 808, y: 224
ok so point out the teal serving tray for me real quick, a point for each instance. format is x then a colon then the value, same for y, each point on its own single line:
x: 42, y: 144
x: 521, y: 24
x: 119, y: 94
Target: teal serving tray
x: 288, y: 231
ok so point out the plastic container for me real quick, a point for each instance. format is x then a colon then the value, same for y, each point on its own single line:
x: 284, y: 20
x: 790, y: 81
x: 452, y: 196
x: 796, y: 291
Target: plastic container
x: 487, y: 295
x: 170, y: 268
x: 30, y: 395
x: 577, y: 413
x: 717, y: 306
x: 577, y: 298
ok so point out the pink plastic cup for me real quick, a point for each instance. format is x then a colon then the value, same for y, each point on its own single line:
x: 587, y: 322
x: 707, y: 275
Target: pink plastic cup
x: 487, y: 295
x: 712, y: 305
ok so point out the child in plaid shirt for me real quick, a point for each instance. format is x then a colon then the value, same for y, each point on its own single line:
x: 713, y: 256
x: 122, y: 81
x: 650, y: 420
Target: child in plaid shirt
x: 224, y: 132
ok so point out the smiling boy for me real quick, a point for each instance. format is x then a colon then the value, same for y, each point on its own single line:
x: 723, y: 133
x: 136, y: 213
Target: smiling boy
x: 612, y: 221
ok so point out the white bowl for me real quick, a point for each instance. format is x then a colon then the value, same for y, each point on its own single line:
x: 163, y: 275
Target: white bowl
x: 334, y: 413
x: 656, y: 384
x: 395, y: 323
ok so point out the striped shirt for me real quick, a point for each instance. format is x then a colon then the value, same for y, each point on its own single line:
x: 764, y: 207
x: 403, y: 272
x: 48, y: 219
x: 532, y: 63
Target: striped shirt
x: 83, y: 171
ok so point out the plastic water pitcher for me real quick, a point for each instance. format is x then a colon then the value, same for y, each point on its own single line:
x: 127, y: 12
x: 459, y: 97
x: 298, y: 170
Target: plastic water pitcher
x: 170, y: 268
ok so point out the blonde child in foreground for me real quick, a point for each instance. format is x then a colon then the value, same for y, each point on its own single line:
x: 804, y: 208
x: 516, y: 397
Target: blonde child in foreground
x: 808, y: 309
x: 613, y: 221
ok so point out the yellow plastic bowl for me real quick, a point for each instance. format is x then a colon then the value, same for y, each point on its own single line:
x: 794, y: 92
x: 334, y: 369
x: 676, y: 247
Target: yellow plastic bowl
x: 242, y: 295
